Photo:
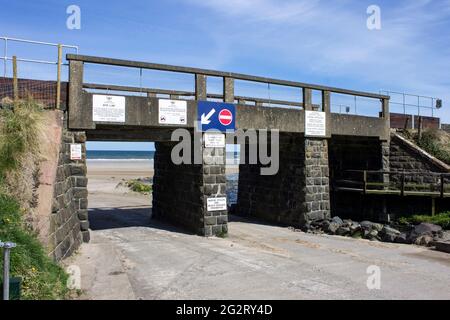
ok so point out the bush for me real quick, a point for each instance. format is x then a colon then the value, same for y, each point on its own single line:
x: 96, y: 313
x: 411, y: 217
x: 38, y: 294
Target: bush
x: 20, y: 139
x: 41, y: 277
x: 139, y: 186
x: 20, y: 135
x: 430, y: 142
x: 441, y: 219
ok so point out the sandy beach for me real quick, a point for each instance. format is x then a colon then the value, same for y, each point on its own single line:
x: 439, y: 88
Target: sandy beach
x: 105, y: 176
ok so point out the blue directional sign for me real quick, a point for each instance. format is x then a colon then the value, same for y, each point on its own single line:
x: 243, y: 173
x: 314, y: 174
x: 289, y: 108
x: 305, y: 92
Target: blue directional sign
x: 216, y: 116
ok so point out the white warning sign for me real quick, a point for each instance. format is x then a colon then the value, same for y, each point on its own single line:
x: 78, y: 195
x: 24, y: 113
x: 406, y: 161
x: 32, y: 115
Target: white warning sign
x: 214, y: 140
x: 172, y: 112
x: 315, y: 123
x: 108, y: 108
x: 216, y: 204
x: 75, y: 151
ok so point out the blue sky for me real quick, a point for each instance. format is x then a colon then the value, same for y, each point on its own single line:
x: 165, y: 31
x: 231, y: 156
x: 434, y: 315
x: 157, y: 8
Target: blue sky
x: 312, y: 41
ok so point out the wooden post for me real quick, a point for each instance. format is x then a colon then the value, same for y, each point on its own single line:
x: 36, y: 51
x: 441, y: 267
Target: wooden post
x: 58, y: 77
x: 15, y: 81
x: 402, y: 184
x: 365, y: 181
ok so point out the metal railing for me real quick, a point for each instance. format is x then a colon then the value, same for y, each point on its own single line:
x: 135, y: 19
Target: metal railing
x: 432, y: 102
x: 6, y: 56
x: 410, y: 183
x: 228, y: 84
x: 15, y: 59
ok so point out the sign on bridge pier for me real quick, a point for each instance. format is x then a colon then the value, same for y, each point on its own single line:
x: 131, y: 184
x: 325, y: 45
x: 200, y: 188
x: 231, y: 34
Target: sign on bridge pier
x: 216, y: 116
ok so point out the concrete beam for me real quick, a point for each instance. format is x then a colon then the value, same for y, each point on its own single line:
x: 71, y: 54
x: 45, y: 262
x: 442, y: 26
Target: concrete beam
x: 142, y: 112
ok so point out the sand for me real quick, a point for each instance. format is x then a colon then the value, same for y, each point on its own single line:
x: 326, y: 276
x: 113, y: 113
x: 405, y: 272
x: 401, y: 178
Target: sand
x: 104, y: 176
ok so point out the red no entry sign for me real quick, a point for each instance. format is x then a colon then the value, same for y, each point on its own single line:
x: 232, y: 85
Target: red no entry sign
x: 225, y: 117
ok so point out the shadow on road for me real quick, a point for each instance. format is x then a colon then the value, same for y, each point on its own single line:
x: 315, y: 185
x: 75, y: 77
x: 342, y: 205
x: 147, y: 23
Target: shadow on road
x: 127, y: 216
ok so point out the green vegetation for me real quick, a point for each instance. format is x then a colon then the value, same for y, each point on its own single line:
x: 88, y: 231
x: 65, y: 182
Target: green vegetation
x: 222, y: 234
x: 20, y: 129
x: 436, y: 142
x: 138, y: 185
x: 41, y: 277
x: 441, y: 219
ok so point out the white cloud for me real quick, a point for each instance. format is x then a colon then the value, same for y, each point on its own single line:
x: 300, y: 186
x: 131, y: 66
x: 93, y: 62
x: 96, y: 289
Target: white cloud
x: 409, y: 53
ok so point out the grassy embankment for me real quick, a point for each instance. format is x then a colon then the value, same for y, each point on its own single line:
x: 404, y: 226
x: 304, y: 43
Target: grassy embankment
x: 20, y: 127
x: 436, y: 143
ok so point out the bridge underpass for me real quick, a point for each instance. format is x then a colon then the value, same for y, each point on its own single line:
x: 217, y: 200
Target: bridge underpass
x: 300, y: 190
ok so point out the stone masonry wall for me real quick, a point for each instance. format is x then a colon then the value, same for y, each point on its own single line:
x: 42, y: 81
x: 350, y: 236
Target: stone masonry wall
x: 69, y: 220
x: 180, y: 192
x: 404, y: 158
x: 298, y: 193
x: 214, y: 186
x: 317, y: 189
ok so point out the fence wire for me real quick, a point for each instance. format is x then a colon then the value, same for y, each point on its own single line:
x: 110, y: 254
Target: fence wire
x: 43, y: 92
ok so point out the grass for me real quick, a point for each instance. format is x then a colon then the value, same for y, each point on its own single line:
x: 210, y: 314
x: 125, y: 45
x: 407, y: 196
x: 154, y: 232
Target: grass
x: 441, y: 219
x: 20, y: 140
x: 137, y: 185
x: 20, y: 136
x: 435, y: 142
x: 41, y: 277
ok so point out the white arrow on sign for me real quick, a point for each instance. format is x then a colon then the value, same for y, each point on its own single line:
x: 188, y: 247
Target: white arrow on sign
x: 205, y: 119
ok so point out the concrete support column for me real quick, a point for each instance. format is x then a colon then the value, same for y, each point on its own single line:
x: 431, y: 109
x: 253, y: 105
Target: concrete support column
x: 385, y: 166
x: 316, y: 172
x: 214, y: 186
x: 181, y: 191
x: 69, y: 223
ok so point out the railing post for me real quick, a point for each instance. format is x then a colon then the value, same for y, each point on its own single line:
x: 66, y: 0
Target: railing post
x: 15, y: 80
x: 326, y: 101
x: 200, y: 87
x: 307, y: 99
x: 402, y: 186
x: 387, y: 118
x: 80, y: 115
x: 442, y: 185
x: 433, y: 206
x: 228, y: 90
x: 7, y: 246
x: 365, y: 181
x: 58, y: 77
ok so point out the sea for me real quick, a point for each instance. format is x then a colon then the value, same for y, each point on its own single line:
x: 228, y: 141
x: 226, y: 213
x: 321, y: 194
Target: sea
x: 122, y: 155
x: 119, y: 155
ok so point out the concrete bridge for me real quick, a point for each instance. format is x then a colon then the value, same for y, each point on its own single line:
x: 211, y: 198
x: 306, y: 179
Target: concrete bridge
x: 301, y: 191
